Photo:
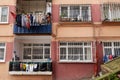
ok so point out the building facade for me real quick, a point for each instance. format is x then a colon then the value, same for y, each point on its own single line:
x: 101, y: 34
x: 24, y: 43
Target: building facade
x: 57, y: 39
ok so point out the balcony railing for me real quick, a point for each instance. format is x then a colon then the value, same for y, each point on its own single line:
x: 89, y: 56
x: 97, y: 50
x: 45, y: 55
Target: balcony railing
x: 40, y: 29
x: 30, y: 68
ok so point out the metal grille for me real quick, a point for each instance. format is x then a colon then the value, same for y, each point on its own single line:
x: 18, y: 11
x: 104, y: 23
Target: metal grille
x: 75, y: 13
x: 36, y: 51
x: 76, y: 51
x: 112, y: 48
x: 111, y: 11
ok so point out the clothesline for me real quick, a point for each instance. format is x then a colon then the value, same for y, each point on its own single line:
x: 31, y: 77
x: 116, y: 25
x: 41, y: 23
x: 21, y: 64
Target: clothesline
x: 35, y: 19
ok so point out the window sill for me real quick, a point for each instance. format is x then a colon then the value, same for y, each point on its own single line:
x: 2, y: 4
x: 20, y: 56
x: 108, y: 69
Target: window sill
x: 86, y: 62
x: 75, y: 23
x: 111, y: 23
x: 1, y: 61
x: 4, y: 23
x: 29, y: 73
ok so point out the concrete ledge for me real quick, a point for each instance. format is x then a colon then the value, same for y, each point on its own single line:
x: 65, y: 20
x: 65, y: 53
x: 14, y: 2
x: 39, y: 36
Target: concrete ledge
x: 29, y: 73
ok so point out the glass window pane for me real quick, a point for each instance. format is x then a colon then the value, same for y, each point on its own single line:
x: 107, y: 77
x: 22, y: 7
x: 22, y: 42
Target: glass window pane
x: 76, y: 53
x: 116, y: 43
x: 27, y: 53
x: 73, y: 53
x: 37, y: 53
x: 85, y: 12
x: 2, y: 44
x: 63, y: 43
x: 1, y: 53
x: 87, y: 53
x: 107, y: 44
x: 70, y: 53
x: 81, y: 53
x: 28, y: 45
x: 62, y: 53
x: 64, y: 12
x: 74, y: 11
x: 108, y: 51
x: 4, y: 14
x: 117, y: 51
x: 47, y: 53
x: 87, y: 43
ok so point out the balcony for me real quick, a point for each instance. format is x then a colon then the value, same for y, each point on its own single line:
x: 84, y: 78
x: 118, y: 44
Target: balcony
x: 30, y: 68
x: 41, y: 29
x: 33, y: 17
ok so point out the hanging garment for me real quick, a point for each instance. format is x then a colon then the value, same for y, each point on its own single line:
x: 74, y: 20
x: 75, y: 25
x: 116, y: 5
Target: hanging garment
x: 35, y: 66
x: 23, y: 20
x: 31, y: 68
x: 37, y: 18
x: 28, y: 21
x: 24, y: 67
x: 18, y: 20
x: 40, y: 18
x: 31, y: 19
x: 48, y: 17
x: 34, y: 19
x: 27, y: 67
x: 105, y: 58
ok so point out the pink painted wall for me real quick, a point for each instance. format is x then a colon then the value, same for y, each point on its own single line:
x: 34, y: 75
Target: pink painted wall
x: 99, y: 49
x: 96, y: 12
x: 9, y: 51
x: 69, y: 71
x: 12, y: 13
x: 55, y: 12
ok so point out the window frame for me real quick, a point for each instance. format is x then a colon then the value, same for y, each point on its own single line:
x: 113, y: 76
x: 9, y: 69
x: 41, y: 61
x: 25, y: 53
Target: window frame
x: 80, y: 46
x: 110, y: 16
x: 3, y: 47
x: 7, y: 14
x: 80, y: 11
x: 31, y: 47
x: 112, y: 47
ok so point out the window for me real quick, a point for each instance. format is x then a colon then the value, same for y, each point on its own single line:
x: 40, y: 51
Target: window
x: 36, y: 51
x: 112, y: 48
x: 2, y: 52
x: 111, y: 11
x: 76, y: 51
x: 75, y: 12
x: 4, y: 14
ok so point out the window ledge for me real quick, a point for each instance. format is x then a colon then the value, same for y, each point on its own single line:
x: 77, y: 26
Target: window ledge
x: 86, y: 62
x: 111, y: 23
x: 75, y: 23
x: 4, y: 23
x: 1, y: 61
x: 29, y: 73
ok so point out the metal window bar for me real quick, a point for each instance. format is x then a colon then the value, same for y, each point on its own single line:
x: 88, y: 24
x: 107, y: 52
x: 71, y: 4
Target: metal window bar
x: 110, y: 11
x: 112, y: 48
x: 37, y: 51
x: 75, y: 51
x: 76, y: 13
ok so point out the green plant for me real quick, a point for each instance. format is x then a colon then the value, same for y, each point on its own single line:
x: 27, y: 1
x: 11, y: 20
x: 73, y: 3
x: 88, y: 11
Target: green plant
x: 113, y: 77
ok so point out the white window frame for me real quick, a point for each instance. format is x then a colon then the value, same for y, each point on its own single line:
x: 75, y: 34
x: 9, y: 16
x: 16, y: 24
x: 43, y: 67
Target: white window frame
x: 7, y: 14
x: 83, y: 61
x: 4, y: 52
x: 80, y: 10
x: 113, y: 11
x: 112, y: 47
x: 44, y: 59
